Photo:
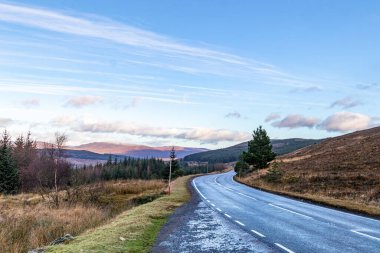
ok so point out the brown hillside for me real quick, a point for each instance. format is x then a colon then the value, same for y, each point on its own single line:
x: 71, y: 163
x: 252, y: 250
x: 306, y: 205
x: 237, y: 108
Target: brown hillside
x: 344, y: 168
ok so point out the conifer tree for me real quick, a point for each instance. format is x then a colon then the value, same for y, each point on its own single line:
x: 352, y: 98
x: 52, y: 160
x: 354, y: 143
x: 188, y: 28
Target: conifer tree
x: 9, y: 174
x: 259, y: 150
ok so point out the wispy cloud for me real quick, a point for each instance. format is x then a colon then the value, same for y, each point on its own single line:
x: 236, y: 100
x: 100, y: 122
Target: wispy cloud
x: 63, y: 121
x: 31, y: 102
x: 295, y: 121
x: 364, y: 86
x: 5, y: 122
x: 105, y: 29
x: 202, y: 59
x: 345, y: 103
x: 307, y: 89
x: 234, y: 114
x: 272, y: 116
x: 82, y: 101
x: 135, y: 101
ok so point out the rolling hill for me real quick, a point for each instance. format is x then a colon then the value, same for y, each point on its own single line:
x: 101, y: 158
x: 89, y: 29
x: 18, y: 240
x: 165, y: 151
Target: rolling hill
x: 137, y: 151
x: 344, y: 169
x: 232, y: 154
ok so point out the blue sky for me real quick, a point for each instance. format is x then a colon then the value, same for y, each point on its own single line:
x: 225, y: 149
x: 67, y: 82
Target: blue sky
x: 191, y: 73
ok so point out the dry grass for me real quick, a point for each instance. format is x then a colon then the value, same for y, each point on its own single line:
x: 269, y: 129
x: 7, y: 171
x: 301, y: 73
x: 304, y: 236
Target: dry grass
x: 343, y: 171
x: 357, y: 191
x: 138, y: 226
x: 28, y: 222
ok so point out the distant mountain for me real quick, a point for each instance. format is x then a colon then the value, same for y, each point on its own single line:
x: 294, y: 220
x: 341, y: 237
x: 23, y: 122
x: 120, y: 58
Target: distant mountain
x: 137, y: 151
x: 232, y: 154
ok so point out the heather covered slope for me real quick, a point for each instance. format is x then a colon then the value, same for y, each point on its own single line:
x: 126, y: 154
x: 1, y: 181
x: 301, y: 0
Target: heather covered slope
x: 345, y: 168
x: 231, y: 154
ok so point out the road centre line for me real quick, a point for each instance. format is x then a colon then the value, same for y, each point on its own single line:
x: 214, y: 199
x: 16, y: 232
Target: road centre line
x: 225, y: 187
x: 284, y: 248
x: 363, y: 234
x: 257, y: 233
x: 218, y: 209
x: 212, y: 204
x: 290, y: 211
x: 227, y: 215
x: 238, y: 222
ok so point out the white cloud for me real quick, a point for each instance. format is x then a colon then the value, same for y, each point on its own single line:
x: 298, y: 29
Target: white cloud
x: 31, y: 102
x: 234, y: 114
x: 5, y: 122
x: 272, y: 116
x: 204, y: 135
x: 346, y: 121
x: 63, y: 120
x: 345, y: 103
x: 82, y: 101
x: 295, y: 121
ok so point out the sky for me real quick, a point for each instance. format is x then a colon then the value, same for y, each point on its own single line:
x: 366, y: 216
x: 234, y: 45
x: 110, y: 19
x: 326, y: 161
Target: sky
x: 189, y: 73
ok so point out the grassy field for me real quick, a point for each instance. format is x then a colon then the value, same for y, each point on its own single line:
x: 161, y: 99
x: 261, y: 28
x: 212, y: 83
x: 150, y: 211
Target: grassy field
x: 27, y: 221
x: 134, y: 230
x: 286, y: 186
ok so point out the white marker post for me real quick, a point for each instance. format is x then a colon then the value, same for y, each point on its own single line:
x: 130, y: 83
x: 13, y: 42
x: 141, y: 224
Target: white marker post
x: 170, y: 173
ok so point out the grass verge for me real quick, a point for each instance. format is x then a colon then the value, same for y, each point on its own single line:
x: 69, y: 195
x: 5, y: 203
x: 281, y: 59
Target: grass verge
x: 343, y: 204
x: 134, y: 230
x: 28, y: 221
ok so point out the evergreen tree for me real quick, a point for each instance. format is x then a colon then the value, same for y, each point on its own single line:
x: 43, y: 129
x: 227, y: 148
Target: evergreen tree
x: 9, y: 174
x: 176, y: 169
x: 259, y: 150
x: 242, y: 168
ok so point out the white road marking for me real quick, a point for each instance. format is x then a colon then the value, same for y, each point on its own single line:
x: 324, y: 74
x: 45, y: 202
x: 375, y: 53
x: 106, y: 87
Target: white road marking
x: 363, y: 234
x: 212, y: 204
x: 219, y: 209
x: 225, y: 187
x: 238, y: 222
x: 208, y: 201
x: 196, y: 188
x: 258, y: 233
x: 246, y: 195
x: 284, y: 248
x: 290, y: 211
x: 227, y: 215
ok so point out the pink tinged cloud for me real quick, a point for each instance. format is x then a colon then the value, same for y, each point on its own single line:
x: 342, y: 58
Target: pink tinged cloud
x: 32, y: 102
x: 346, y: 121
x: 295, y: 121
x: 5, y: 122
x: 203, y: 135
x: 272, y: 116
x: 234, y: 114
x: 345, y: 103
x: 82, y: 101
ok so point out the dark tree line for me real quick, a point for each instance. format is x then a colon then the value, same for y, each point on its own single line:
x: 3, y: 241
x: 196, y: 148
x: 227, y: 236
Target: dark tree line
x: 127, y: 168
x: 25, y: 168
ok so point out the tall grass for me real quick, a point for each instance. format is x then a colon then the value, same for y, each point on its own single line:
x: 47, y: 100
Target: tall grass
x: 27, y: 221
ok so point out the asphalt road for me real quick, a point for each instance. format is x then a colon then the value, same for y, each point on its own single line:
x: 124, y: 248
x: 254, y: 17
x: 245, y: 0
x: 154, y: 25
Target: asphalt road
x: 287, y: 224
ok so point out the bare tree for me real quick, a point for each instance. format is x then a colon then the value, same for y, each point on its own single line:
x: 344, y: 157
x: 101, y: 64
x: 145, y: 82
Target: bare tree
x: 54, y: 171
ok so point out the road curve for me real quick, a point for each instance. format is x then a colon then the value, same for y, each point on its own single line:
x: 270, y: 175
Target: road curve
x: 287, y: 224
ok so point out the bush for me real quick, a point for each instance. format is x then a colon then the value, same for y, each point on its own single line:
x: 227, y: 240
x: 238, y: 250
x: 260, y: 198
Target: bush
x: 274, y: 174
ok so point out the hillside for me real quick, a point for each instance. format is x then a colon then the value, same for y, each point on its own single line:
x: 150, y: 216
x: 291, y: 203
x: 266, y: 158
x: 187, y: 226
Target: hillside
x: 232, y: 154
x: 137, y: 151
x: 345, y: 168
